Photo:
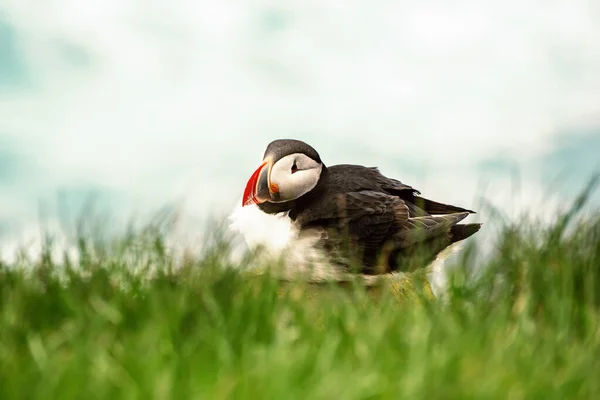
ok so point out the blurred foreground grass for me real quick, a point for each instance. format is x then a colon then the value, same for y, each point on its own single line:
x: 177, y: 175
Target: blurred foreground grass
x: 528, y: 327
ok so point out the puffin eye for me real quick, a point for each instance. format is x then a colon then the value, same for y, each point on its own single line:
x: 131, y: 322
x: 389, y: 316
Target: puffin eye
x: 294, y: 167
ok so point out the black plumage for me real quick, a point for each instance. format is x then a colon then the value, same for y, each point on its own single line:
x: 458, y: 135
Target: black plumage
x: 381, y: 222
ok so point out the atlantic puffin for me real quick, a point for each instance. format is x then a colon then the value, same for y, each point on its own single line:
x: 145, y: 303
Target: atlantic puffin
x: 364, y: 220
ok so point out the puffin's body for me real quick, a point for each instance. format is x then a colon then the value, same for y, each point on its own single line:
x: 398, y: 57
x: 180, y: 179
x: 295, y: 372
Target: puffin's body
x: 357, y: 213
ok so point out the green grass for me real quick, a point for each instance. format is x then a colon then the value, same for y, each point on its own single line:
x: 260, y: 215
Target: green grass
x: 526, y: 328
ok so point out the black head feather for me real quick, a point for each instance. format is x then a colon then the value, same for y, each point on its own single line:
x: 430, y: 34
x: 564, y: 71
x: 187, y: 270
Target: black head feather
x: 280, y: 148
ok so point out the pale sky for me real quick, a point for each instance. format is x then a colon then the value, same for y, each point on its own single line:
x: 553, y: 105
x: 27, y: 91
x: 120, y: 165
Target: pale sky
x: 147, y: 102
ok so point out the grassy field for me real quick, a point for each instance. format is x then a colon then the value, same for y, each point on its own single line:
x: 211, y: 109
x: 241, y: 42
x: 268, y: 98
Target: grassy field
x: 526, y: 328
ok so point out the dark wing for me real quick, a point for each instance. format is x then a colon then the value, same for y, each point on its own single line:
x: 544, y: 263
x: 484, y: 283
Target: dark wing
x: 368, y: 216
x: 418, y: 205
x: 376, y: 222
x: 355, y: 225
x: 371, y: 217
x: 374, y: 218
x: 377, y: 218
x: 355, y: 178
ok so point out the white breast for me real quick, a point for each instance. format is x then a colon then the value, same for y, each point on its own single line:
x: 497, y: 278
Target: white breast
x: 273, y: 232
x: 278, y: 238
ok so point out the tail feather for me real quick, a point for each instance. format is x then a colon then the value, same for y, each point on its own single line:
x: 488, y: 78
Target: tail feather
x: 462, y: 231
x: 423, y: 253
x: 433, y: 207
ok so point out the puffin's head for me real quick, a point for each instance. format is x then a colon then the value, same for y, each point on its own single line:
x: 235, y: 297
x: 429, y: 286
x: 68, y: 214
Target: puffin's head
x: 290, y: 169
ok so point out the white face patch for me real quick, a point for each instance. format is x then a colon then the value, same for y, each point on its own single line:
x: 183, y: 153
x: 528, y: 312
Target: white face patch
x: 295, y: 175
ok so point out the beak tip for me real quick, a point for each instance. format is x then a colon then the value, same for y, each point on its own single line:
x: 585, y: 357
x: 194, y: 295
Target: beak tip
x: 250, y: 193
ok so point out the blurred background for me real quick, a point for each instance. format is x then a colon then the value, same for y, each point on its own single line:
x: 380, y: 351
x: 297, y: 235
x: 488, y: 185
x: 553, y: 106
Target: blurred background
x: 141, y: 104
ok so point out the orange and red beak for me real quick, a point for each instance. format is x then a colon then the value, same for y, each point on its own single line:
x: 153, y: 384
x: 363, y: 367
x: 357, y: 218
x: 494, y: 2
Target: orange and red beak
x: 259, y: 188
